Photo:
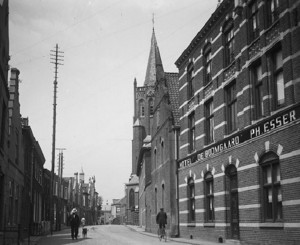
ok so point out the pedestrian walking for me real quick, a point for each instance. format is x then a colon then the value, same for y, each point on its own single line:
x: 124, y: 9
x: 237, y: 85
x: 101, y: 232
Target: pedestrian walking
x: 74, y: 222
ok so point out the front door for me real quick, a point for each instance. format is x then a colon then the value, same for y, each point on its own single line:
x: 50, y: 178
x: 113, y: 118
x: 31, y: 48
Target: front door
x: 234, y: 202
x: 234, y: 210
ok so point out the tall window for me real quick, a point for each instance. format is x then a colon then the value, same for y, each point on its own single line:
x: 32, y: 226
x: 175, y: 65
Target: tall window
x: 190, y: 81
x: 131, y: 199
x: 191, y: 200
x: 256, y: 77
x: 272, y: 11
x: 277, y: 77
x: 254, y: 20
x: 17, y: 147
x: 209, y: 124
x: 155, y: 201
x: 231, y: 107
x: 2, y: 121
x: 11, y: 198
x: 163, y: 196
x: 16, y: 213
x: 229, y: 43
x: 155, y: 159
x: 151, y: 107
x: 207, y: 63
x: 209, y: 198
x: 162, y: 152
x: 272, y: 196
x: 142, y: 108
x: 192, y: 137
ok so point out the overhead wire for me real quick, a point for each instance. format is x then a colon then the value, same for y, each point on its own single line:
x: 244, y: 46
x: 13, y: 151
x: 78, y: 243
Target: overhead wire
x: 66, y: 28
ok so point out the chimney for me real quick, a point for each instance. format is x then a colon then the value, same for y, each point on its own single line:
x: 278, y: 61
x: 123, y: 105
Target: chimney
x: 24, y: 121
x: 76, y: 177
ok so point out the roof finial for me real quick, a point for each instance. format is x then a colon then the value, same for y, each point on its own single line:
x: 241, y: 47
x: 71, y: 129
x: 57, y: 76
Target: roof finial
x: 153, y: 20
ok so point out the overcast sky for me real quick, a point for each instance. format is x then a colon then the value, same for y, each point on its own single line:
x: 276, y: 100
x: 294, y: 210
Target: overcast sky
x: 106, y: 44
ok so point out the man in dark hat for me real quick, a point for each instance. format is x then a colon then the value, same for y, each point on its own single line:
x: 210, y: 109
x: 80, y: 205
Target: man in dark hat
x: 161, y: 219
x: 74, y: 222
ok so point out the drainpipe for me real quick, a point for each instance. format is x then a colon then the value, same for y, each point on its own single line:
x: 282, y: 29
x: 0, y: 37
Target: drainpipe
x: 176, y: 130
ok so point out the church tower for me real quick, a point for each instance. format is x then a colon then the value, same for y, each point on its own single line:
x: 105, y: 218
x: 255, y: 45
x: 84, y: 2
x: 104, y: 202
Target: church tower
x: 144, y: 101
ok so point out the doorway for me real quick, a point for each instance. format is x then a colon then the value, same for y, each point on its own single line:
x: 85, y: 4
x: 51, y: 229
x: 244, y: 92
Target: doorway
x: 233, y: 201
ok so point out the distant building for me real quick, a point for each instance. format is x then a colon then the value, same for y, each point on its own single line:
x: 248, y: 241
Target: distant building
x: 239, y: 174
x: 132, y: 201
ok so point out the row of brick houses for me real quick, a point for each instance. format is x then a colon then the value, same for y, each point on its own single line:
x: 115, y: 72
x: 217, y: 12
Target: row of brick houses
x: 24, y: 182
x: 218, y: 144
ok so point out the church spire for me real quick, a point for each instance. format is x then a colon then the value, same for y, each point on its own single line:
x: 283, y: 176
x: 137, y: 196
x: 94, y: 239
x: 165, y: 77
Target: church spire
x: 154, y: 67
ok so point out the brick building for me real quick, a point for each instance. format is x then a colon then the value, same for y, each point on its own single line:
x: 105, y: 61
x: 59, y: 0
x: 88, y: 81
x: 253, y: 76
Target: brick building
x: 238, y: 168
x: 34, y: 161
x: 15, y: 171
x: 4, y: 96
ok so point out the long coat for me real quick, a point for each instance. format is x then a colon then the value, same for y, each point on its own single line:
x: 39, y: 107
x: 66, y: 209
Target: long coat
x: 161, y: 218
x: 74, y: 220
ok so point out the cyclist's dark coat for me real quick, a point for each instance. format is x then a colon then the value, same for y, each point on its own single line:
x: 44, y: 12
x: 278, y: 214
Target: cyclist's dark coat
x: 161, y: 218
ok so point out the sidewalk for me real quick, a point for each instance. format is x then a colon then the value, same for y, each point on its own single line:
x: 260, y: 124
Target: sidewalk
x: 174, y: 239
x: 34, y: 240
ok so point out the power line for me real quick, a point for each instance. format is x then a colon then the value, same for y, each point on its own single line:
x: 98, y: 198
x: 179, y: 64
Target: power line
x: 63, y: 30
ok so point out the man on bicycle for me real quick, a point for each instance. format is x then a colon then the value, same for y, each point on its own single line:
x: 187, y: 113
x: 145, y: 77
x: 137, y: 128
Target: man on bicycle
x: 161, y: 219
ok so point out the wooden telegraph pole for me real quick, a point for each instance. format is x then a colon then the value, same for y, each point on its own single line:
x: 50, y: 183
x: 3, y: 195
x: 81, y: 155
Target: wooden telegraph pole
x: 56, y: 57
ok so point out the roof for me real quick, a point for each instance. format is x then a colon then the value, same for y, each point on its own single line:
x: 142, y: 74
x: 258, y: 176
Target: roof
x: 133, y: 180
x: 154, y: 63
x: 173, y: 90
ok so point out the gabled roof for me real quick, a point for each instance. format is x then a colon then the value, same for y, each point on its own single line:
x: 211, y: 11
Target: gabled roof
x: 154, y: 63
x: 173, y: 90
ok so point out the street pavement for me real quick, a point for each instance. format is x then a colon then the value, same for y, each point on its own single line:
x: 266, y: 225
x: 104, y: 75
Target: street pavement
x: 110, y: 235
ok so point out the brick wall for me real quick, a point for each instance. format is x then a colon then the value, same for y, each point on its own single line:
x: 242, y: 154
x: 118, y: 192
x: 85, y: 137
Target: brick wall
x: 284, y: 34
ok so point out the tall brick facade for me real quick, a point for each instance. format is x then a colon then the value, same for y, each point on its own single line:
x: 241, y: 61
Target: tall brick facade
x: 4, y: 96
x: 238, y: 168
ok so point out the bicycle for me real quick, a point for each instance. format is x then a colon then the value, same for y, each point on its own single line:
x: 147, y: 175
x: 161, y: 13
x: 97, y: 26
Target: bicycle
x: 162, y: 234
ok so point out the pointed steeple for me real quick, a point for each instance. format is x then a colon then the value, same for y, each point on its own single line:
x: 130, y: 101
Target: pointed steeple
x: 154, y: 67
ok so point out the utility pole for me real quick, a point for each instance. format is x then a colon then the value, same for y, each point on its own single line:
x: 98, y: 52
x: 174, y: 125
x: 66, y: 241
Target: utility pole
x: 56, y: 56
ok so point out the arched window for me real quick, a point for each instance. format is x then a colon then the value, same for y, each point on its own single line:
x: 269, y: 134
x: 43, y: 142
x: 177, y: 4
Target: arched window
x: 191, y: 200
x: 232, y: 200
x: 151, y: 107
x: 162, y: 152
x: 142, y: 108
x: 131, y: 199
x: 209, y: 197
x: 271, y: 186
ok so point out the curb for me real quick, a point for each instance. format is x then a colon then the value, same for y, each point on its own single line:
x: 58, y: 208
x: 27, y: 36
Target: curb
x: 182, y: 240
